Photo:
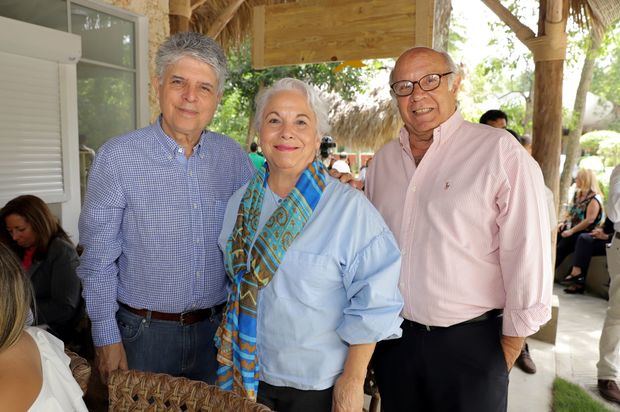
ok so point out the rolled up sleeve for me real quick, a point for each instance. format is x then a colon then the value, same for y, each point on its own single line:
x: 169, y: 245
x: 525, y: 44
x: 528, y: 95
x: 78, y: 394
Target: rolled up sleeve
x: 375, y: 303
x: 524, y: 246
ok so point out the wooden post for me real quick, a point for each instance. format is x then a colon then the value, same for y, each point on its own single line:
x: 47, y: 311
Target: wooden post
x: 547, y: 120
x: 180, y: 15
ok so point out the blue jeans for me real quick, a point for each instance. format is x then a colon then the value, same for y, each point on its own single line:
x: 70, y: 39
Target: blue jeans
x: 168, y: 347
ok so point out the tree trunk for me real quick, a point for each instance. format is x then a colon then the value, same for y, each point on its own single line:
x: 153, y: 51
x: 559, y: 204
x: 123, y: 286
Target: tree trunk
x: 441, y: 27
x: 572, y: 144
x: 547, y: 119
x: 180, y: 15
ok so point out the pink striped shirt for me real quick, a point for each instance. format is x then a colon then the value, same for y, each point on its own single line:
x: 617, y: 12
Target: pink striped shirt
x: 471, y: 221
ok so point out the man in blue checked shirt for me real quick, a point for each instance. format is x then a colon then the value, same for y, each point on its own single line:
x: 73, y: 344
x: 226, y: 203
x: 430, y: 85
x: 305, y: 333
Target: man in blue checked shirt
x: 152, y: 273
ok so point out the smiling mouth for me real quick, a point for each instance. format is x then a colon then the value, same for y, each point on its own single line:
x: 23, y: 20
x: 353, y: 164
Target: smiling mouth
x: 285, y: 148
x: 187, y: 111
x: 423, y: 111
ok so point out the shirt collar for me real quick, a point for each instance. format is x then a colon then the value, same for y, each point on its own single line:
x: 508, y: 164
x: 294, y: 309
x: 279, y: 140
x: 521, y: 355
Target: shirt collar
x: 170, y: 145
x: 441, y: 133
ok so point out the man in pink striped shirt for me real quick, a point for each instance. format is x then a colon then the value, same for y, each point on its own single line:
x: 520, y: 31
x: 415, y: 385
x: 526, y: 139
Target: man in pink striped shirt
x: 467, y: 205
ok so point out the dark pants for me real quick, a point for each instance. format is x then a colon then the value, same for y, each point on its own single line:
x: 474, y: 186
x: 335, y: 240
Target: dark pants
x: 586, y: 247
x: 564, y: 247
x: 284, y: 399
x: 170, y: 347
x: 460, y: 368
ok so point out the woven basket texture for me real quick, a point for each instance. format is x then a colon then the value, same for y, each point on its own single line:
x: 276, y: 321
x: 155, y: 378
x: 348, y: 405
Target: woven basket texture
x: 145, y: 391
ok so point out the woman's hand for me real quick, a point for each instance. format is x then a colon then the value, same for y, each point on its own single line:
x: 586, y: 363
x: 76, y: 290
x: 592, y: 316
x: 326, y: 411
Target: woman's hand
x: 348, y: 394
x: 567, y: 233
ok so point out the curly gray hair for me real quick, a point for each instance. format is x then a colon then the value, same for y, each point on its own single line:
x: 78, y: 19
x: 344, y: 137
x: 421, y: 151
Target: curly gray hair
x: 197, y: 46
x: 316, y: 103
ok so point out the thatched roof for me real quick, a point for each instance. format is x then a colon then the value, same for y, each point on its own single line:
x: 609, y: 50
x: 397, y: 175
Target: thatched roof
x: 367, y: 122
x: 238, y: 28
x: 595, y: 14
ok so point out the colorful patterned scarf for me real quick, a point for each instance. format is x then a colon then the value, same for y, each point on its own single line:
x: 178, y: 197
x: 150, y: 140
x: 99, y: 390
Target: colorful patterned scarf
x: 236, y: 336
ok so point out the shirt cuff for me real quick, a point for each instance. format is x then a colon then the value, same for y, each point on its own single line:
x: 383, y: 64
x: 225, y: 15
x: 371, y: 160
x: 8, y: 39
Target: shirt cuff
x: 355, y: 331
x: 525, y: 322
x: 105, y: 332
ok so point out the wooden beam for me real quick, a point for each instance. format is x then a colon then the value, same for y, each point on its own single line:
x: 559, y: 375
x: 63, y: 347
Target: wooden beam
x: 324, y: 30
x: 522, y: 32
x: 223, y: 19
x: 197, y: 3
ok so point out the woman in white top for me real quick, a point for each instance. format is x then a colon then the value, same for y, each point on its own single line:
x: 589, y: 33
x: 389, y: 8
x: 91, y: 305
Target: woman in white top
x: 34, y: 371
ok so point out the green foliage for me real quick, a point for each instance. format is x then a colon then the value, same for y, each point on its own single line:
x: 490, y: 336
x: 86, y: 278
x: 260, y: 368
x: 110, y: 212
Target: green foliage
x: 568, y: 397
x: 604, y: 143
x: 606, y: 79
x: 237, y: 107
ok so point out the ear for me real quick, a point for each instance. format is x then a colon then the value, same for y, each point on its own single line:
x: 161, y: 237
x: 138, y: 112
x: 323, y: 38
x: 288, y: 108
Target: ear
x: 456, y: 84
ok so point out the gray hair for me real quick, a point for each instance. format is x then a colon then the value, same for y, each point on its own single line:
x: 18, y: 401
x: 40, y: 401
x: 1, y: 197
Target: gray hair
x: 316, y: 103
x: 452, y: 67
x: 197, y: 46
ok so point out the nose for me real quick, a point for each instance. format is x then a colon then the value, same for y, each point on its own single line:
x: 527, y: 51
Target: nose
x: 287, y: 132
x: 189, y: 94
x: 417, y: 92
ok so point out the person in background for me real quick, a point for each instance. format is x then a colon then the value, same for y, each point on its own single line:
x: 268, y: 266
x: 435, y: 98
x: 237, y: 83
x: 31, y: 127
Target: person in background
x: 314, y: 270
x: 467, y: 206
x: 342, y: 164
x: 257, y: 159
x: 495, y: 118
x: 153, y: 276
x: 585, y: 213
x: 34, y: 370
x: 49, y: 259
x: 609, y: 361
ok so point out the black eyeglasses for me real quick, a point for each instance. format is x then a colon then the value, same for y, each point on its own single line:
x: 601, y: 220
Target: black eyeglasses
x: 427, y: 83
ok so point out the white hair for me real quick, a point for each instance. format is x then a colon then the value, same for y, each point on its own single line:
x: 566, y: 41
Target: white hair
x: 316, y: 103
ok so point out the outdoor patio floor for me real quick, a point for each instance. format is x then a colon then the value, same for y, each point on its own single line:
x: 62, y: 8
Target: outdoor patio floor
x: 573, y: 357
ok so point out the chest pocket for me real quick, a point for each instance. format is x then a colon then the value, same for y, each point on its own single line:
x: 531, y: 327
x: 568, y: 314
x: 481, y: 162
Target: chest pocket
x: 307, y: 278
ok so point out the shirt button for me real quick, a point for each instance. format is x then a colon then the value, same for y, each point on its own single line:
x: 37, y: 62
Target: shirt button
x: 190, y: 174
x: 194, y: 205
x: 413, y: 188
x: 169, y: 157
x: 197, y: 241
x: 198, y: 274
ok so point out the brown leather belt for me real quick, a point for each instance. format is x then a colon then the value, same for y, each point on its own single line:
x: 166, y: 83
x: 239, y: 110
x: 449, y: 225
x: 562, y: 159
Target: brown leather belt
x: 185, y: 318
x: 492, y: 314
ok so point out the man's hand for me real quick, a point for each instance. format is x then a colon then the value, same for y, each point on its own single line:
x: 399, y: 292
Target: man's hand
x: 346, y: 178
x: 348, y: 394
x: 598, y: 233
x: 511, y: 345
x: 110, y: 358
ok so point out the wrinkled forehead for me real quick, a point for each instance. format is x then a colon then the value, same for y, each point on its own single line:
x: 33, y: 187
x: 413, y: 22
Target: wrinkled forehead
x: 417, y: 63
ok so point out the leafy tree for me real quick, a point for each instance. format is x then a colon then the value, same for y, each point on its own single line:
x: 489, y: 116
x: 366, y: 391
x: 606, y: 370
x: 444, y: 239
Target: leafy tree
x: 237, y: 108
x: 606, y: 79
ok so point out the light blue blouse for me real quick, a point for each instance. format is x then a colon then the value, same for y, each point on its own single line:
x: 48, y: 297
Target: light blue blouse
x: 337, y: 285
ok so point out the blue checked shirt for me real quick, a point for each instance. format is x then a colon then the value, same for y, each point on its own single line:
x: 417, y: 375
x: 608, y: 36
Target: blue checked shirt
x: 150, y: 225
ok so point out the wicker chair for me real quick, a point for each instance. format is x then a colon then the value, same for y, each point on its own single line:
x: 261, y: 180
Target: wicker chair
x: 145, y: 391
x: 80, y: 369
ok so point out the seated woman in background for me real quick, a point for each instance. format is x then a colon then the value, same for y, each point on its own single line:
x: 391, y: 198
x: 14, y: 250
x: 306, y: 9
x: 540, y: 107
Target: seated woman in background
x: 314, y: 270
x: 584, y: 214
x: 34, y: 370
x: 49, y: 259
x: 588, y: 244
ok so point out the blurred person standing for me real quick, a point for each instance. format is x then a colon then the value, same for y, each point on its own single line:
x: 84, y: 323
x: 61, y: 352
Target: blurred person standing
x: 609, y: 345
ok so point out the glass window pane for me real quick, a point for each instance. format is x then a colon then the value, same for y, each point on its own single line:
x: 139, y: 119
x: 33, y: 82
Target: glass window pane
x: 106, y: 103
x: 105, y: 38
x: 47, y: 13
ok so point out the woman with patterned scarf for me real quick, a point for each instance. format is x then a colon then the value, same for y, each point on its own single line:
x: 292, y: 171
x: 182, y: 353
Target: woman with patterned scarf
x: 313, y: 268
